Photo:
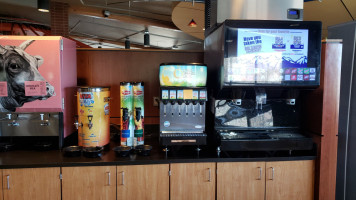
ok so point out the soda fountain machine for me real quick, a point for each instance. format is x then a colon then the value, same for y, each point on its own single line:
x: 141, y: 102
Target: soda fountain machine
x: 182, y: 104
x: 258, y: 70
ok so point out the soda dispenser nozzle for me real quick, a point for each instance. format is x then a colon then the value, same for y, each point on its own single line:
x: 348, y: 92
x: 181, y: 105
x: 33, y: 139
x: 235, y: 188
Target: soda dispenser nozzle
x: 44, y: 122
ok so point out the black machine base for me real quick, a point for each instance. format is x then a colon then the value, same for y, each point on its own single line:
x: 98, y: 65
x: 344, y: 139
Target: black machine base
x: 169, y: 139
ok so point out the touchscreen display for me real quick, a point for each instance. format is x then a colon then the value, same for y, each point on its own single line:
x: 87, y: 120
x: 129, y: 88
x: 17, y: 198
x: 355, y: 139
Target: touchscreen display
x: 269, y: 56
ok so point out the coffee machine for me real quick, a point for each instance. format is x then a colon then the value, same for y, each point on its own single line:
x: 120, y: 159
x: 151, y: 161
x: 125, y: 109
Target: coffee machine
x: 182, y: 104
x: 259, y: 70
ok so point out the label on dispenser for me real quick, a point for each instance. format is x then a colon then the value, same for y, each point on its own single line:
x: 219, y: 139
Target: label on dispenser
x: 188, y: 94
x: 172, y: 94
x: 202, y: 95
x: 180, y: 94
x: 164, y: 94
x: 195, y: 95
x: 3, y: 89
x: 35, y: 88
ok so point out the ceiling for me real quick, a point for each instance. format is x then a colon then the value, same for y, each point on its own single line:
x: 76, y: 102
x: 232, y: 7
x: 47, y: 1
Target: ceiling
x: 130, y: 19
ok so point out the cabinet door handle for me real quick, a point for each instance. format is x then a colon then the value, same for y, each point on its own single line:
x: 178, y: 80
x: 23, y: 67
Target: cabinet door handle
x: 8, y: 181
x: 260, y: 175
x: 209, y: 179
x: 109, y: 180
x: 122, y: 178
x: 272, y: 173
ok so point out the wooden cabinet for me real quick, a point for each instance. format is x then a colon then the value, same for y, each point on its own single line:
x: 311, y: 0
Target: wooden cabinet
x: 31, y: 183
x: 292, y: 180
x: 89, y: 183
x: 241, y: 180
x: 192, y: 181
x: 143, y: 182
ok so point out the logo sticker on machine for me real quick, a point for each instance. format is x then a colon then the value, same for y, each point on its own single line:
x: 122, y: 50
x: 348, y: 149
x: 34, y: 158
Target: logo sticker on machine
x: 86, y: 99
x: 180, y: 94
x: 164, y: 94
x: 172, y: 94
x: 166, y: 124
x: 202, y: 95
x: 195, y: 94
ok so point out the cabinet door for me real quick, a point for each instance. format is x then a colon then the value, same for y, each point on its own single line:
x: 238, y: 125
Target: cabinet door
x: 241, y: 180
x: 143, y: 182
x: 193, y: 181
x: 31, y: 183
x: 290, y: 180
x: 89, y: 183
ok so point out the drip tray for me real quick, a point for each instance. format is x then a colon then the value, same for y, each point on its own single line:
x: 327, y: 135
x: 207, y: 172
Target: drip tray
x: 264, y: 141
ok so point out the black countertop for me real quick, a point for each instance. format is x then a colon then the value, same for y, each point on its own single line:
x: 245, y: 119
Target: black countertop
x: 186, y: 154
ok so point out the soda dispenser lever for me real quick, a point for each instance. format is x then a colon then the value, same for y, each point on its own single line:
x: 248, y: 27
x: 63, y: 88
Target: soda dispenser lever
x: 164, y: 107
x: 187, y: 102
x: 180, y: 102
x: 172, y: 102
x: 194, y: 104
x: 90, y: 124
x: 201, y: 103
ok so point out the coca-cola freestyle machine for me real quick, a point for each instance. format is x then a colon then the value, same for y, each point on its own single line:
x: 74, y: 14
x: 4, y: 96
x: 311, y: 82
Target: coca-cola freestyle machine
x: 258, y: 70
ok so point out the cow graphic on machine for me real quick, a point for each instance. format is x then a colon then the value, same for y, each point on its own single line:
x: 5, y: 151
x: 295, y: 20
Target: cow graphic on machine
x: 18, y: 68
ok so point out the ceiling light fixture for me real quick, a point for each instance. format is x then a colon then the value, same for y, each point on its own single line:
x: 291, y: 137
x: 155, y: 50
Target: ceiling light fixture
x: 175, y: 47
x: 43, y: 5
x: 146, y: 38
x: 127, y: 43
x: 192, y: 24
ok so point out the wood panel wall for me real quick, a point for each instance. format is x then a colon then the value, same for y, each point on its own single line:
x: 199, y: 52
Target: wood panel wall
x: 103, y: 67
x: 321, y: 108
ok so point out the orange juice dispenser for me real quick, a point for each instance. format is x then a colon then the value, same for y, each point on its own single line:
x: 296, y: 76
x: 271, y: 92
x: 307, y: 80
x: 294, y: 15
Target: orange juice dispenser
x: 93, y: 116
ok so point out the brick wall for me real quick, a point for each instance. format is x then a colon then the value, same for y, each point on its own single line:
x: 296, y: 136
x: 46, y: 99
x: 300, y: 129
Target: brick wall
x: 59, y: 19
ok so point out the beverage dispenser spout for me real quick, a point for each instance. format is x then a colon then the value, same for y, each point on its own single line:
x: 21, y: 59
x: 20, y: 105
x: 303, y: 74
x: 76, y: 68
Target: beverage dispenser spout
x: 43, y: 121
x: 261, y: 97
x: 290, y: 102
x: 77, y: 124
x: 237, y: 102
x: 14, y: 122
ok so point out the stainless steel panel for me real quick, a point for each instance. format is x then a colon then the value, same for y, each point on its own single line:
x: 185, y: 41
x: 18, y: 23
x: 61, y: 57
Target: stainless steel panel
x: 29, y: 124
x: 256, y: 9
x: 190, y: 120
